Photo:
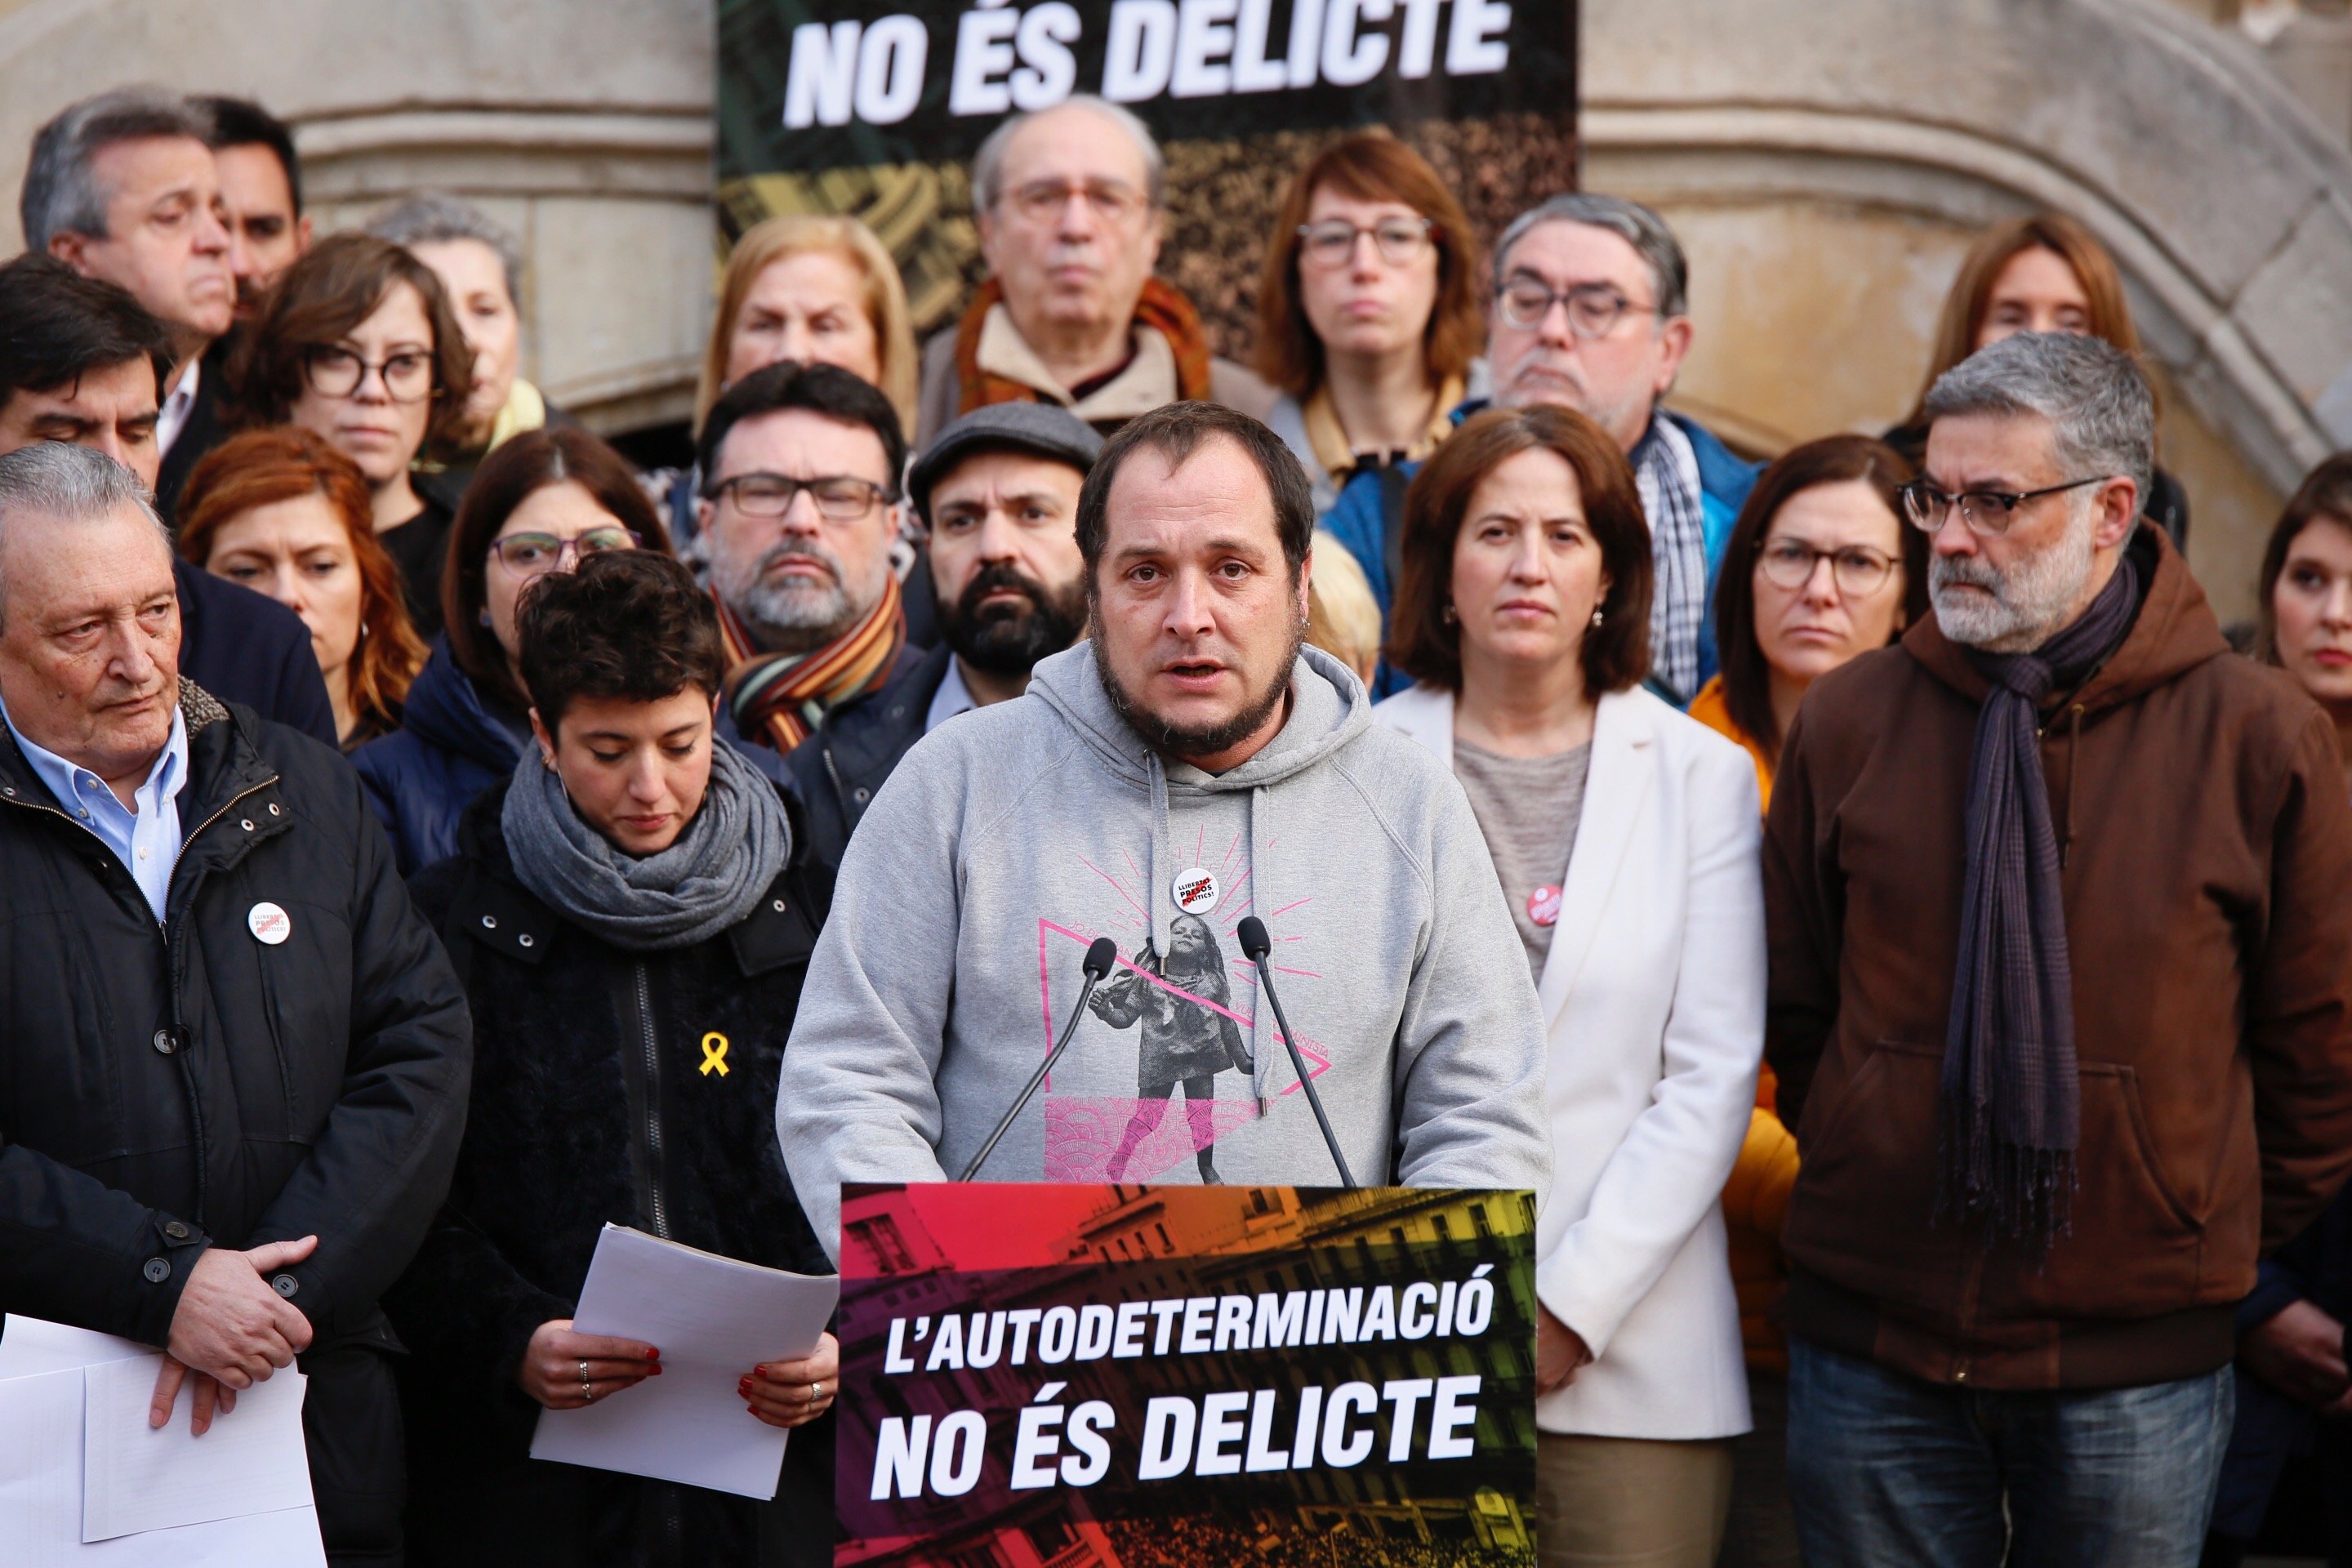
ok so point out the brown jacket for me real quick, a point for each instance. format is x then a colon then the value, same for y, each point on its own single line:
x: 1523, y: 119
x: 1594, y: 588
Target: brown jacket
x: 2206, y: 831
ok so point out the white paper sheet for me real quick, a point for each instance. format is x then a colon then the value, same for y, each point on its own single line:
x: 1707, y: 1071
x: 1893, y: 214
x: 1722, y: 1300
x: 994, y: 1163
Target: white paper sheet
x: 30, y: 1345
x: 41, y: 1498
x: 137, y: 1477
x: 713, y: 1318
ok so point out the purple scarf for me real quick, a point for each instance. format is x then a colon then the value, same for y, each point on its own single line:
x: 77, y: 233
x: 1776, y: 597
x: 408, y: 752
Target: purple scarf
x: 2009, y: 1106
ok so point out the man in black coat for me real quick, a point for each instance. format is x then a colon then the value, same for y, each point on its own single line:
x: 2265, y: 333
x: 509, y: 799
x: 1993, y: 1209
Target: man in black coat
x: 998, y: 492
x: 81, y: 362
x: 233, y: 1059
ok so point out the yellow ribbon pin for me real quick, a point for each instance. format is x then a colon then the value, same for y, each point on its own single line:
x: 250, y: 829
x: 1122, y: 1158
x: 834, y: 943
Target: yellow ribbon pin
x: 714, y: 1053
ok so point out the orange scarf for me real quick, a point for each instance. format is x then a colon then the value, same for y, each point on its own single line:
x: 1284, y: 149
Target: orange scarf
x: 1161, y: 307
x: 781, y: 696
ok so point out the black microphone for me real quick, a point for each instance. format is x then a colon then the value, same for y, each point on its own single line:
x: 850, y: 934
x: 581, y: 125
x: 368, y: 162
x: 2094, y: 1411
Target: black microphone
x: 1100, y: 956
x: 1255, y: 945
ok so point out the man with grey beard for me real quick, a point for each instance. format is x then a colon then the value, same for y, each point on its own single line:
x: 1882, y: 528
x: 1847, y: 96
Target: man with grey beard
x: 800, y: 507
x: 2061, y: 1004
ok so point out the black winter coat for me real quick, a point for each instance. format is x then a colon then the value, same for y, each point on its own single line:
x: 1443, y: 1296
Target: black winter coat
x: 844, y: 763
x: 163, y: 1088
x: 591, y: 1105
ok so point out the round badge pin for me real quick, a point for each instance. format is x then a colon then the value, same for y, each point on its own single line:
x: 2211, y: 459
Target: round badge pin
x: 1543, y: 905
x: 1196, y: 890
x: 270, y: 925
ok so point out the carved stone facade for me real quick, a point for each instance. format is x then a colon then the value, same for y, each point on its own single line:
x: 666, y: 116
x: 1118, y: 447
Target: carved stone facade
x: 1826, y: 162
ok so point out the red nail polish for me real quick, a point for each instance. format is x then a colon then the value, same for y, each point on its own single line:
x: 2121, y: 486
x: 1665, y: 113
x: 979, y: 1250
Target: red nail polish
x: 653, y: 1356
x: 657, y: 1371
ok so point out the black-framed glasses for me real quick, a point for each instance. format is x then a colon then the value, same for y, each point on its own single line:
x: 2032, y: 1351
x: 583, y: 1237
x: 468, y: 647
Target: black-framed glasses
x: 529, y: 555
x: 335, y: 371
x: 1115, y: 202
x: 1986, y: 512
x: 1859, y: 570
x: 841, y: 497
x: 1593, y: 308
x: 1332, y: 242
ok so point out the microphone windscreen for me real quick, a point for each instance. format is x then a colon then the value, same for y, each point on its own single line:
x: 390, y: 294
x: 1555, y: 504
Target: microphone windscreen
x: 1255, y: 942
x: 1100, y: 956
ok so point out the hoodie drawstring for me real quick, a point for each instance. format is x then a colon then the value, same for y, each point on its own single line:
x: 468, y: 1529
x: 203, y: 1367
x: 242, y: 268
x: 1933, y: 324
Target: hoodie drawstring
x: 1262, y: 1028
x: 1162, y: 920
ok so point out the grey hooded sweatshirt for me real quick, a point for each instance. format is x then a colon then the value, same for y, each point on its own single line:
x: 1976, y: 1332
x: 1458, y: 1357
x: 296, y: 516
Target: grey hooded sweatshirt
x: 1008, y: 840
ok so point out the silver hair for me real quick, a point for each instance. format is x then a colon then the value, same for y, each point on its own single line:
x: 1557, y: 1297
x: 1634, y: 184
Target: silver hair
x: 987, y: 164
x: 69, y: 484
x: 60, y: 194
x: 1630, y: 221
x: 431, y: 217
x: 2102, y: 415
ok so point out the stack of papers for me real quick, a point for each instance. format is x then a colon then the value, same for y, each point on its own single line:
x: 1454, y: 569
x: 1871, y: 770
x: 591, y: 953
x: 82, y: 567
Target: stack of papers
x: 713, y: 1318
x: 86, y: 1483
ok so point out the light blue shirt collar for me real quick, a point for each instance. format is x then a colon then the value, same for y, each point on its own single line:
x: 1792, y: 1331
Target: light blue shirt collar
x: 145, y: 838
x: 952, y: 698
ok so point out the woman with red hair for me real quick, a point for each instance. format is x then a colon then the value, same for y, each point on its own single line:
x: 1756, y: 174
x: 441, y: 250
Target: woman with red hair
x: 286, y: 514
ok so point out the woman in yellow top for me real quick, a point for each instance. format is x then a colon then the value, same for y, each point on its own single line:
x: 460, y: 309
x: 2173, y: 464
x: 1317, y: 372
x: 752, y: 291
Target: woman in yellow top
x: 1832, y: 573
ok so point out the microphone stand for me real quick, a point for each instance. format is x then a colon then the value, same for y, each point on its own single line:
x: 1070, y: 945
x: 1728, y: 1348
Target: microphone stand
x: 1100, y: 956
x: 1255, y: 945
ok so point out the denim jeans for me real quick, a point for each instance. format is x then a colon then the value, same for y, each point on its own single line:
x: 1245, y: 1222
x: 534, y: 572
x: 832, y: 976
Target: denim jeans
x: 1887, y: 1471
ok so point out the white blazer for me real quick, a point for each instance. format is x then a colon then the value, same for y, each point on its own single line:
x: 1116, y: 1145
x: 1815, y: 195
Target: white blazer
x: 1654, y: 996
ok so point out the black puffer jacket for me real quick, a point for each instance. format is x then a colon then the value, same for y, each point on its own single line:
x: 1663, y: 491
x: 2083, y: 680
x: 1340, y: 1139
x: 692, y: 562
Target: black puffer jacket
x: 591, y: 1105
x: 164, y: 1088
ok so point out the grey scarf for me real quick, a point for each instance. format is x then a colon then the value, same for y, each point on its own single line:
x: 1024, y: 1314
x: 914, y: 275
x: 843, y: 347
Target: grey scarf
x: 2010, y: 1112
x: 702, y: 884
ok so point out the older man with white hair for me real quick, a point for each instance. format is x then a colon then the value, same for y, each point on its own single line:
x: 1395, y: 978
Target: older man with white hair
x: 233, y: 1059
x: 1071, y: 203
x: 2060, y: 1002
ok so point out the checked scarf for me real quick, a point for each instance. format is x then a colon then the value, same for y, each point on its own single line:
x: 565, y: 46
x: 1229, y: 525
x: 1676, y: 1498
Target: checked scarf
x: 1160, y: 307
x: 779, y: 697
x: 2010, y: 1105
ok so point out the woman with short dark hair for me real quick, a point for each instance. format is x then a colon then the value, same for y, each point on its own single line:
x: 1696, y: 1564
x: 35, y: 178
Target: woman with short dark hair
x: 540, y: 504
x: 357, y: 343
x: 631, y: 907
x: 1625, y: 838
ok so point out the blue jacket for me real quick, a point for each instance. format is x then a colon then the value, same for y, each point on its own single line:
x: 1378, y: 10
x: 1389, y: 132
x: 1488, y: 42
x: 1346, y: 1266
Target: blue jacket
x: 837, y: 771
x: 453, y: 743
x: 1724, y: 481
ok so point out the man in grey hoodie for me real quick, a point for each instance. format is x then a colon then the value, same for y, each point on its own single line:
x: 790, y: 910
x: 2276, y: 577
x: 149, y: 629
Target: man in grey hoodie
x: 1194, y: 763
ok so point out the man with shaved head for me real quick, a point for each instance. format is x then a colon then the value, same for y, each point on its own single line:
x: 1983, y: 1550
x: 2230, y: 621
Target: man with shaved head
x: 233, y: 1059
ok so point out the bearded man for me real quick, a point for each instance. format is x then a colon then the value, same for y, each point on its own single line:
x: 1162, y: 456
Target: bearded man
x: 1193, y: 761
x: 999, y: 494
x: 2061, y: 1004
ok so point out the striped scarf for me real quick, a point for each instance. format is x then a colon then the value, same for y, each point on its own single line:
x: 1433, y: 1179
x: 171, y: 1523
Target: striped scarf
x: 779, y: 697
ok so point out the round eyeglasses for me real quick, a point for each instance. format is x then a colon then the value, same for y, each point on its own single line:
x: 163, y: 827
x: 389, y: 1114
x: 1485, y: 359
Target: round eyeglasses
x: 336, y: 372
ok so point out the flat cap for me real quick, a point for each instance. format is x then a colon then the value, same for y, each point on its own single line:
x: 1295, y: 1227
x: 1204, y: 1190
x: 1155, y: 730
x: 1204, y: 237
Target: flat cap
x: 1044, y: 429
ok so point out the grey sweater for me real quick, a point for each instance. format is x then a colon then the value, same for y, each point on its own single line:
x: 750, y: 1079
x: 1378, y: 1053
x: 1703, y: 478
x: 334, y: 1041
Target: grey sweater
x: 1009, y: 839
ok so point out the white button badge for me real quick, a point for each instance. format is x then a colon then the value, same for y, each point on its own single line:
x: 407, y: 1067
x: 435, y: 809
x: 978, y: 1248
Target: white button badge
x: 1196, y: 890
x: 270, y: 925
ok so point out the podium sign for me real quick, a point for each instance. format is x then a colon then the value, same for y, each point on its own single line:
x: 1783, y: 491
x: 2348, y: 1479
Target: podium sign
x: 1160, y: 1377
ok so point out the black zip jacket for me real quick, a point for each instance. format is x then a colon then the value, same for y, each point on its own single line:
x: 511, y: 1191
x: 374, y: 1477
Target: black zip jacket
x: 164, y: 1088
x: 844, y: 763
x: 591, y: 1103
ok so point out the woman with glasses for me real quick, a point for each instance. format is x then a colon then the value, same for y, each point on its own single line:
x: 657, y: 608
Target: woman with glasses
x: 1625, y: 838
x: 357, y: 343
x: 1369, y: 314
x: 2041, y: 273
x: 1833, y: 572
x: 631, y: 910
x: 542, y: 503
x: 284, y: 513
